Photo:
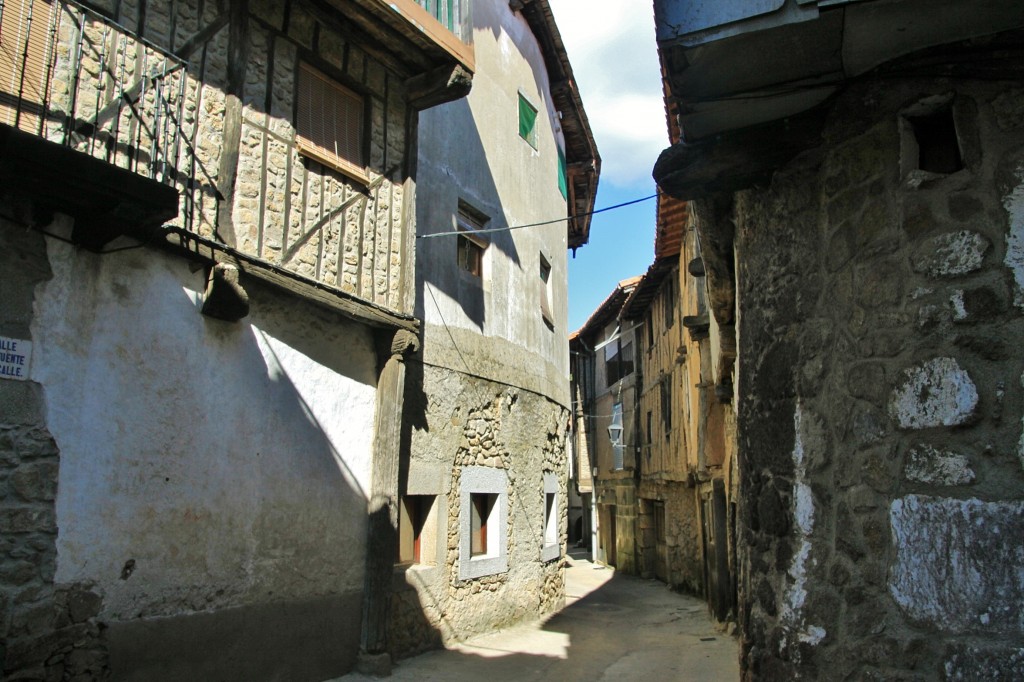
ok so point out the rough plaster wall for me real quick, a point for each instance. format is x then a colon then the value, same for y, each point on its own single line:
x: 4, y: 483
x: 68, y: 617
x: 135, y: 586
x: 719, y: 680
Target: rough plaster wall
x: 879, y: 401
x: 472, y: 422
x: 47, y: 630
x: 203, y: 464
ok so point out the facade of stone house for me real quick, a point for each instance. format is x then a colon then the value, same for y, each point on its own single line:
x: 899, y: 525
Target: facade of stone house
x: 685, y: 490
x: 207, y: 231
x: 484, y: 483
x: 672, y: 494
x: 605, y: 377
x: 857, y: 200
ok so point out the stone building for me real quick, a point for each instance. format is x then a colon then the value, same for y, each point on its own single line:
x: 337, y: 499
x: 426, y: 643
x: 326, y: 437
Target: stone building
x: 187, y: 495
x: 484, y: 488
x: 665, y: 484
x: 604, y: 378
x: 855, y: 175
x: 686, y: 429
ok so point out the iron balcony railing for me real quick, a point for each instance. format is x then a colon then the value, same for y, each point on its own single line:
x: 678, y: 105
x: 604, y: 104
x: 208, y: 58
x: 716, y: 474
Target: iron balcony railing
x: 77, y: 78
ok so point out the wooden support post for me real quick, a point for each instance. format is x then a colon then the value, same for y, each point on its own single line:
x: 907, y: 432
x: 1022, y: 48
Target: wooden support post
x: 382, y: 526
x: 227, y: 172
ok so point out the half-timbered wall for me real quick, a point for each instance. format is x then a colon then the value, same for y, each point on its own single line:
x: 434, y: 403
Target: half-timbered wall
x: 234, y: 155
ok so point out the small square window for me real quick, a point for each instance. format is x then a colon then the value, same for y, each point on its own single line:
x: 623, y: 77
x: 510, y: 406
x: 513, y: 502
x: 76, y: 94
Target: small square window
x: 527, y: 121
x: 471, y: 256
x: 416, y: 529
x: 329, y: 123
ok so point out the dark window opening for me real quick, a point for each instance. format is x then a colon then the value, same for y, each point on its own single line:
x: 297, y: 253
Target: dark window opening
x: 619, y: 363
x: 482, y: 506
x: 471, y: 256
x: 938, y: 147
x: 412, y: 517
x: 666, y: 404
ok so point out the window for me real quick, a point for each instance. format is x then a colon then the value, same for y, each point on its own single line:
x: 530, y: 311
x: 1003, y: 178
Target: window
x: 669, y: 303
x: 482, y: 506
x: 618, y: 361
x: 417, y: 535
x: 552, y: 548
x: 649, y: 324
x: 471, y: 247
x: 666, y: 403
x: 650, y: 430
x: 25, y: 56
x: 545, y: 292
x: 563, y: 176
x: 471, y: 256
x: 329, y: 123
x: 483, y: 517
x: 445, y: 11
x: 527, y: 121
x: 937, y: 145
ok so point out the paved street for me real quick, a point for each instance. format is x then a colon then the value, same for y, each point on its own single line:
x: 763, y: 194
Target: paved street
x: 614, y: 627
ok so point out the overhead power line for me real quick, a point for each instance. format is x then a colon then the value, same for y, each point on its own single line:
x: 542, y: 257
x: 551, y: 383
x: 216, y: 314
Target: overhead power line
x: 546, y: 222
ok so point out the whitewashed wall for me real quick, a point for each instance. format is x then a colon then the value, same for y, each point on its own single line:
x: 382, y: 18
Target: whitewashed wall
x: 204, y: 464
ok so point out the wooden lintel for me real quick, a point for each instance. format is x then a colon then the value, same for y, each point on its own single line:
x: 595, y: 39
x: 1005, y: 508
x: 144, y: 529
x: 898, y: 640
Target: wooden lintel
x: 444, y: 84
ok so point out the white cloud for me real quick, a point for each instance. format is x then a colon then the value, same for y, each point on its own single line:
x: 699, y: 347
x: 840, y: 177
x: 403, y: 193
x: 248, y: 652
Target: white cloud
x: 612, y: 49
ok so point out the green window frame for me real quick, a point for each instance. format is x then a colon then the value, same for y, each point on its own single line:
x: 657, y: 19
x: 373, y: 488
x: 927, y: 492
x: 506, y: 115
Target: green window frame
x: 527, y: 121
x: 444, y: 11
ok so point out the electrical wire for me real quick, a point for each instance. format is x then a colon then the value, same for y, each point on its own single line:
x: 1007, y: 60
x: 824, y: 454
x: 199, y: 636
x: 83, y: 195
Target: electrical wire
x: 545, y: 222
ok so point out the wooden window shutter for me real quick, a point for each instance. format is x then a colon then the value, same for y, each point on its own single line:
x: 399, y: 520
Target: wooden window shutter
x: 563, y: 180
x: 25, y: 56
x: 527, y: 121
x: 329, y: 123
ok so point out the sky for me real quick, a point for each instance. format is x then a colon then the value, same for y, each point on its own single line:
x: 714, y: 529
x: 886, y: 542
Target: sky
x: 614, y: 58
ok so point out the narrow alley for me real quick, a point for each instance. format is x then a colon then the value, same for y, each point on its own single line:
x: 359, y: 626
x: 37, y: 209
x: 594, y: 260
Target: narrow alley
x: 613, y: 627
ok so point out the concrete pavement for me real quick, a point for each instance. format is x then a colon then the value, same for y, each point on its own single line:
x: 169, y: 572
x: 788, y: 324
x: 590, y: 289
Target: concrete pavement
x: 613, y: 627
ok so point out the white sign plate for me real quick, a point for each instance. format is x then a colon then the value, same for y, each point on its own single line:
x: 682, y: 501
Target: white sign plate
x: 15, y: 356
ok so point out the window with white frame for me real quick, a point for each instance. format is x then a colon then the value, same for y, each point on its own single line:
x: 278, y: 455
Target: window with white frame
x: 483, y: 521
x: 552, y: 548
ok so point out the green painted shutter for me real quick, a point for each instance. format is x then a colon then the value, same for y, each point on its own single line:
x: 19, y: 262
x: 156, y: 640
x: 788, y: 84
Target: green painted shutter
x: 527, y: 121
x: 563, y: 181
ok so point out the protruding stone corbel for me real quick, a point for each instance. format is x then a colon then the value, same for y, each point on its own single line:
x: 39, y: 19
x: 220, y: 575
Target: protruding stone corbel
x: 225, y: 298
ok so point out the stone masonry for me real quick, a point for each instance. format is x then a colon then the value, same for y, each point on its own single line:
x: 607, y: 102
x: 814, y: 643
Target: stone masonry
x: 478, y: 423
x: 880, y: 399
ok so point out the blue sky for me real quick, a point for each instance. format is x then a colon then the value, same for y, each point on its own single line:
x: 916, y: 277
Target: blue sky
x: 614, y: 58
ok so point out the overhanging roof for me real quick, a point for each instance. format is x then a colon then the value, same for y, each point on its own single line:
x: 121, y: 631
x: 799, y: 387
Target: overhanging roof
x: 583, y: 162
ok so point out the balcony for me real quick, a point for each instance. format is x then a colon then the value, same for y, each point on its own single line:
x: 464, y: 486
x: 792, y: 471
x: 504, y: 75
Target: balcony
x: 89, y: 120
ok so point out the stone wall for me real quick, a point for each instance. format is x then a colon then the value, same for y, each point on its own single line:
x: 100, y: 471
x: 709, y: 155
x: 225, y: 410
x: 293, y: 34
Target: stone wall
x: 880, y: 399
x: 472, y: 422
x: 48, y: 631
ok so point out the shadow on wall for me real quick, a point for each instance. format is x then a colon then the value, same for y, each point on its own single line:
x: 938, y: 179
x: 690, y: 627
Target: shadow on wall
x: 441, y: 193
x: 209, y: 473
